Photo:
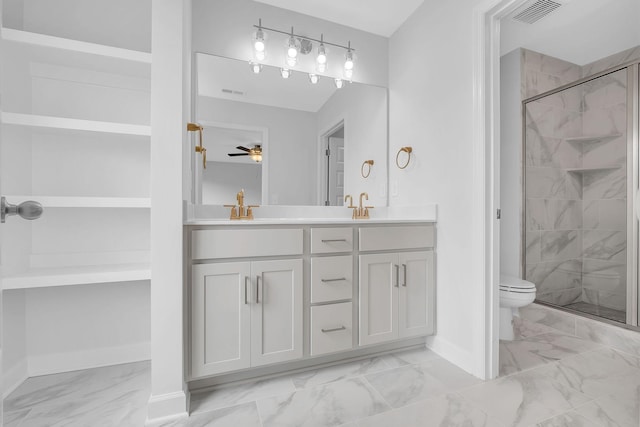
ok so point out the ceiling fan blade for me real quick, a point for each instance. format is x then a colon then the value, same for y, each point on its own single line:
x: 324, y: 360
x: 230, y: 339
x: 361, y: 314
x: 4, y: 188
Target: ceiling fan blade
x: 239, y: 147
x: 237, y: 154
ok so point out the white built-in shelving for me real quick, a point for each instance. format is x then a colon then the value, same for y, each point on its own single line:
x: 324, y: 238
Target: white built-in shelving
x: 41, y: 112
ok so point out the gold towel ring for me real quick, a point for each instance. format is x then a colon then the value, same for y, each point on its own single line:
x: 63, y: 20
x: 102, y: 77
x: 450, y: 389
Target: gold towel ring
x: 407, y: 150
x: 367, y: 163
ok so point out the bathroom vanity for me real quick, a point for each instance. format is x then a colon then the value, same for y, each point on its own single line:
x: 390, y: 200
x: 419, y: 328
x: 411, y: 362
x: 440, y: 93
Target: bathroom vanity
x: 270, y: 295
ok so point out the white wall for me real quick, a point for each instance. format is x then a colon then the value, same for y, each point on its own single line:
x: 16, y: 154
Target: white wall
x: 510, y: 163
x: 431, y: 109
x: 364, y: 111
x: 291, y: 148
x: 224, y: 27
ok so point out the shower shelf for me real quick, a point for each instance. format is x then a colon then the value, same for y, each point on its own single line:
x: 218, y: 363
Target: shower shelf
x: 594, y: 169
x: 593, y: 138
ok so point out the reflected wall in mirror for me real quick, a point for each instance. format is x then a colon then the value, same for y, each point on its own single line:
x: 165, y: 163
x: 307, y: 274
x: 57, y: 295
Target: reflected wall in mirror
x: 313, y: 137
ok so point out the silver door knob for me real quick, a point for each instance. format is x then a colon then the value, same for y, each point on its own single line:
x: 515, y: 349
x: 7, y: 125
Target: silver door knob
x: 28, y: 210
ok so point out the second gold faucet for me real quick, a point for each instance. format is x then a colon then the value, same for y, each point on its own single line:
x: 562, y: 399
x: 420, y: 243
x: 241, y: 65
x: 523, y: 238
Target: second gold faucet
x: 359, y: 212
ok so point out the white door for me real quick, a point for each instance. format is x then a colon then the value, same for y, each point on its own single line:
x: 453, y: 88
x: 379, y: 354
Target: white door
x: 378, y: 298
x: 276, y: 313
x: 335, y: 171
x: 221, y: 313
x: 416, y: 303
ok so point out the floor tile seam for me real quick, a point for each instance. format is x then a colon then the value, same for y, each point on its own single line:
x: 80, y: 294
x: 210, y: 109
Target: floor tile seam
x: 636, y: 356
x: 477, y: 407
x: 368, y: 385
x: 591, y: 402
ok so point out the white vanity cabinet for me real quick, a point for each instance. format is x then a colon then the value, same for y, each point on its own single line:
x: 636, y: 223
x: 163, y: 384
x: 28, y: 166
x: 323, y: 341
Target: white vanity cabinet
x: 305, y: 294
x: 245, y: 313
x: 397, y: 289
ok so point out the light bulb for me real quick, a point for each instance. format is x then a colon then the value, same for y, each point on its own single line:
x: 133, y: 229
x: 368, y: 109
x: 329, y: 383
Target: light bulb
x: 348, y: 74
x: 291, y: 62
x: 348, y: 63
x: 313, y: 78
x: 259, y: 45
x: 260, y: 55
x: 339, y: 83
x: 255, y: 67
x: 321, y: 67
x: 285, y: 73
x: 322, y: 55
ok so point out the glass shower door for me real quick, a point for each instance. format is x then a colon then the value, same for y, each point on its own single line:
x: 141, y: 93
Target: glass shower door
x: 577, y: 149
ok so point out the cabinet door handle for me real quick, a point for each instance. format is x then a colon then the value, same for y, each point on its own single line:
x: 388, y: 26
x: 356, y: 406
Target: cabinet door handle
x: 397, y: 267
x: 246, y: 290
x: 333, y: 240
x: 404, y: 270
x: 341, y: 279
x: 341, y: 328
x: 258, y: 277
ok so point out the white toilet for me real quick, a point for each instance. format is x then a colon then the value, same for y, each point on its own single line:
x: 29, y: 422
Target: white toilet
x: 514, y: 293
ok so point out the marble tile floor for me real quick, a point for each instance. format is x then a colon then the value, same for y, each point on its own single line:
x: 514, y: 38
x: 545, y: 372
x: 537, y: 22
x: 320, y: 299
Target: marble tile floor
x: 548, y: 378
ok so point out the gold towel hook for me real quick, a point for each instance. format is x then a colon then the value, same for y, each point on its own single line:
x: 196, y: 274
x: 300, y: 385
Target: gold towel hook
x: 192, y: 127
x: 407, y: 150
x: 368, y: 164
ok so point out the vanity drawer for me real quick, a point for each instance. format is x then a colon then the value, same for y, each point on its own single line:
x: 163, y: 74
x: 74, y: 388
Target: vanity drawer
x: 327, y: 240
x: 331, y: 278
x: 209, y: 244
x: 331, y: 328
x: 393, y: 238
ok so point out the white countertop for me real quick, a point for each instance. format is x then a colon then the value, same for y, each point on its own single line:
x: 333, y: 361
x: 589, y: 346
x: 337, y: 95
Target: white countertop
x: 282, y: 215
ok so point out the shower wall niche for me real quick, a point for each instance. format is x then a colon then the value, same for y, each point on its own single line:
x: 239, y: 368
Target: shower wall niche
x: 576, y: 176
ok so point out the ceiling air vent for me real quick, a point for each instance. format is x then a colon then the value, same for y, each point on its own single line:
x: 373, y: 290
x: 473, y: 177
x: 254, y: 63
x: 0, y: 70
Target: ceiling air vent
x: 533, y: 11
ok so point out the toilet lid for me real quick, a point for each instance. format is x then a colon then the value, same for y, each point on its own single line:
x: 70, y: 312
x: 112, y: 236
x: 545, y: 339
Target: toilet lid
x: 514, y: 284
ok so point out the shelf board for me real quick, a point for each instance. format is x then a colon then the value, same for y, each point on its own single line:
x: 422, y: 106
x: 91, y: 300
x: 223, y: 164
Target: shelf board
x: 68, y: 276
x: 593, y: 138
x: 594, y: 169
x: 61, y: 123
x: 56, y: 50
x: 83, y: 202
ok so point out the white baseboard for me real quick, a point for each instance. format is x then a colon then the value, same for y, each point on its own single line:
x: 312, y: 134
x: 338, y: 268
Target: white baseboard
x: 166, y: 407
x: 13, y: 377
x: 454, y: 354
x: 85, y: 359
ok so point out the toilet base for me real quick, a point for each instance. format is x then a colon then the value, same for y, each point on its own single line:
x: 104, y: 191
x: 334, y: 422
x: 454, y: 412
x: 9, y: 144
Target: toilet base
x: 506, y: 323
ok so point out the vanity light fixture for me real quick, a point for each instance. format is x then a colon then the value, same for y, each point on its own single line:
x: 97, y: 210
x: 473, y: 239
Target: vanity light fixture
x: 255, y: 67
x: 339, y: 83
x: 259, y: 42
x: 313, y: 78
x: 296, y: 45
x: 285, y: 73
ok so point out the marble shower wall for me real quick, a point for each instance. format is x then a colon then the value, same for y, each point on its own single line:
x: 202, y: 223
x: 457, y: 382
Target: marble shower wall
x: 576, y: 219
x: 553, y: 197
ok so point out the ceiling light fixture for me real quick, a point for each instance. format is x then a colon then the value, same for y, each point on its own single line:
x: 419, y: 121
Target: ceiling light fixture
x: 296, y: 45
x: 285, y: 73
x: 313, y: 78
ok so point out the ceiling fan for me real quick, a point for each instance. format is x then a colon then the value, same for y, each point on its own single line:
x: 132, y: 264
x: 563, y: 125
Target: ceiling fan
x: 255, y: 153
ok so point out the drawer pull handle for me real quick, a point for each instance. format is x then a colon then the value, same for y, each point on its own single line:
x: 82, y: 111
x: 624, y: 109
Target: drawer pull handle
x: 341, y: 279
x: 258, y: 277
x: 397, y: 268
x: 404, y: 268
x: 333, y: 240
x: 246, y: 279
x: 341, y: 328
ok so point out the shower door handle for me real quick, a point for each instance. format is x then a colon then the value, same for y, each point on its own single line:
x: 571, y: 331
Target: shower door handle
x: 27, y: 210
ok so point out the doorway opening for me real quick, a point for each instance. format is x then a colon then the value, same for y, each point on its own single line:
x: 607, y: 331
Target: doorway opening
x: 333, y: 167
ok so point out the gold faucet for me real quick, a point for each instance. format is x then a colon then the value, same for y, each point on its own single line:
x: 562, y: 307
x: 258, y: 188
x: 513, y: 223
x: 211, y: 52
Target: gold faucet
x: 362, y: 212
x: 241, y: 213
x: 348, y: 196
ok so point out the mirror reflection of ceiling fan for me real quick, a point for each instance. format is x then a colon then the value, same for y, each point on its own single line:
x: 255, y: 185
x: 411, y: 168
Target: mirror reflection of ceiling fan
x: 255, y: 153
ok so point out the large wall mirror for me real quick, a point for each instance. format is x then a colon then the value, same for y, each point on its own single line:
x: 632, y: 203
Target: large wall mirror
x: 286, y: 141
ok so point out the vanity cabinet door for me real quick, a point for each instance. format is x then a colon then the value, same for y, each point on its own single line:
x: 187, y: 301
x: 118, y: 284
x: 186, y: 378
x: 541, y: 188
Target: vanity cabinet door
x: 378, y: 298
x: 276, y: 313
x: 416, y: 293
x: 221, y: 313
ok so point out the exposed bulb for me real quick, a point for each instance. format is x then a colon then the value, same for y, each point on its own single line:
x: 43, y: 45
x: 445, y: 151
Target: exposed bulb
x: 339, y: 83
x: 285, y: 73
x: 322, y: 55
x: 313, y: 78
x: 255, y: 67
x: 348, y: 63
x: 259, y: 44
x: 260, y: 55
x: 348, y: 74
x: 321, y: 67
x: 291, y: 62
